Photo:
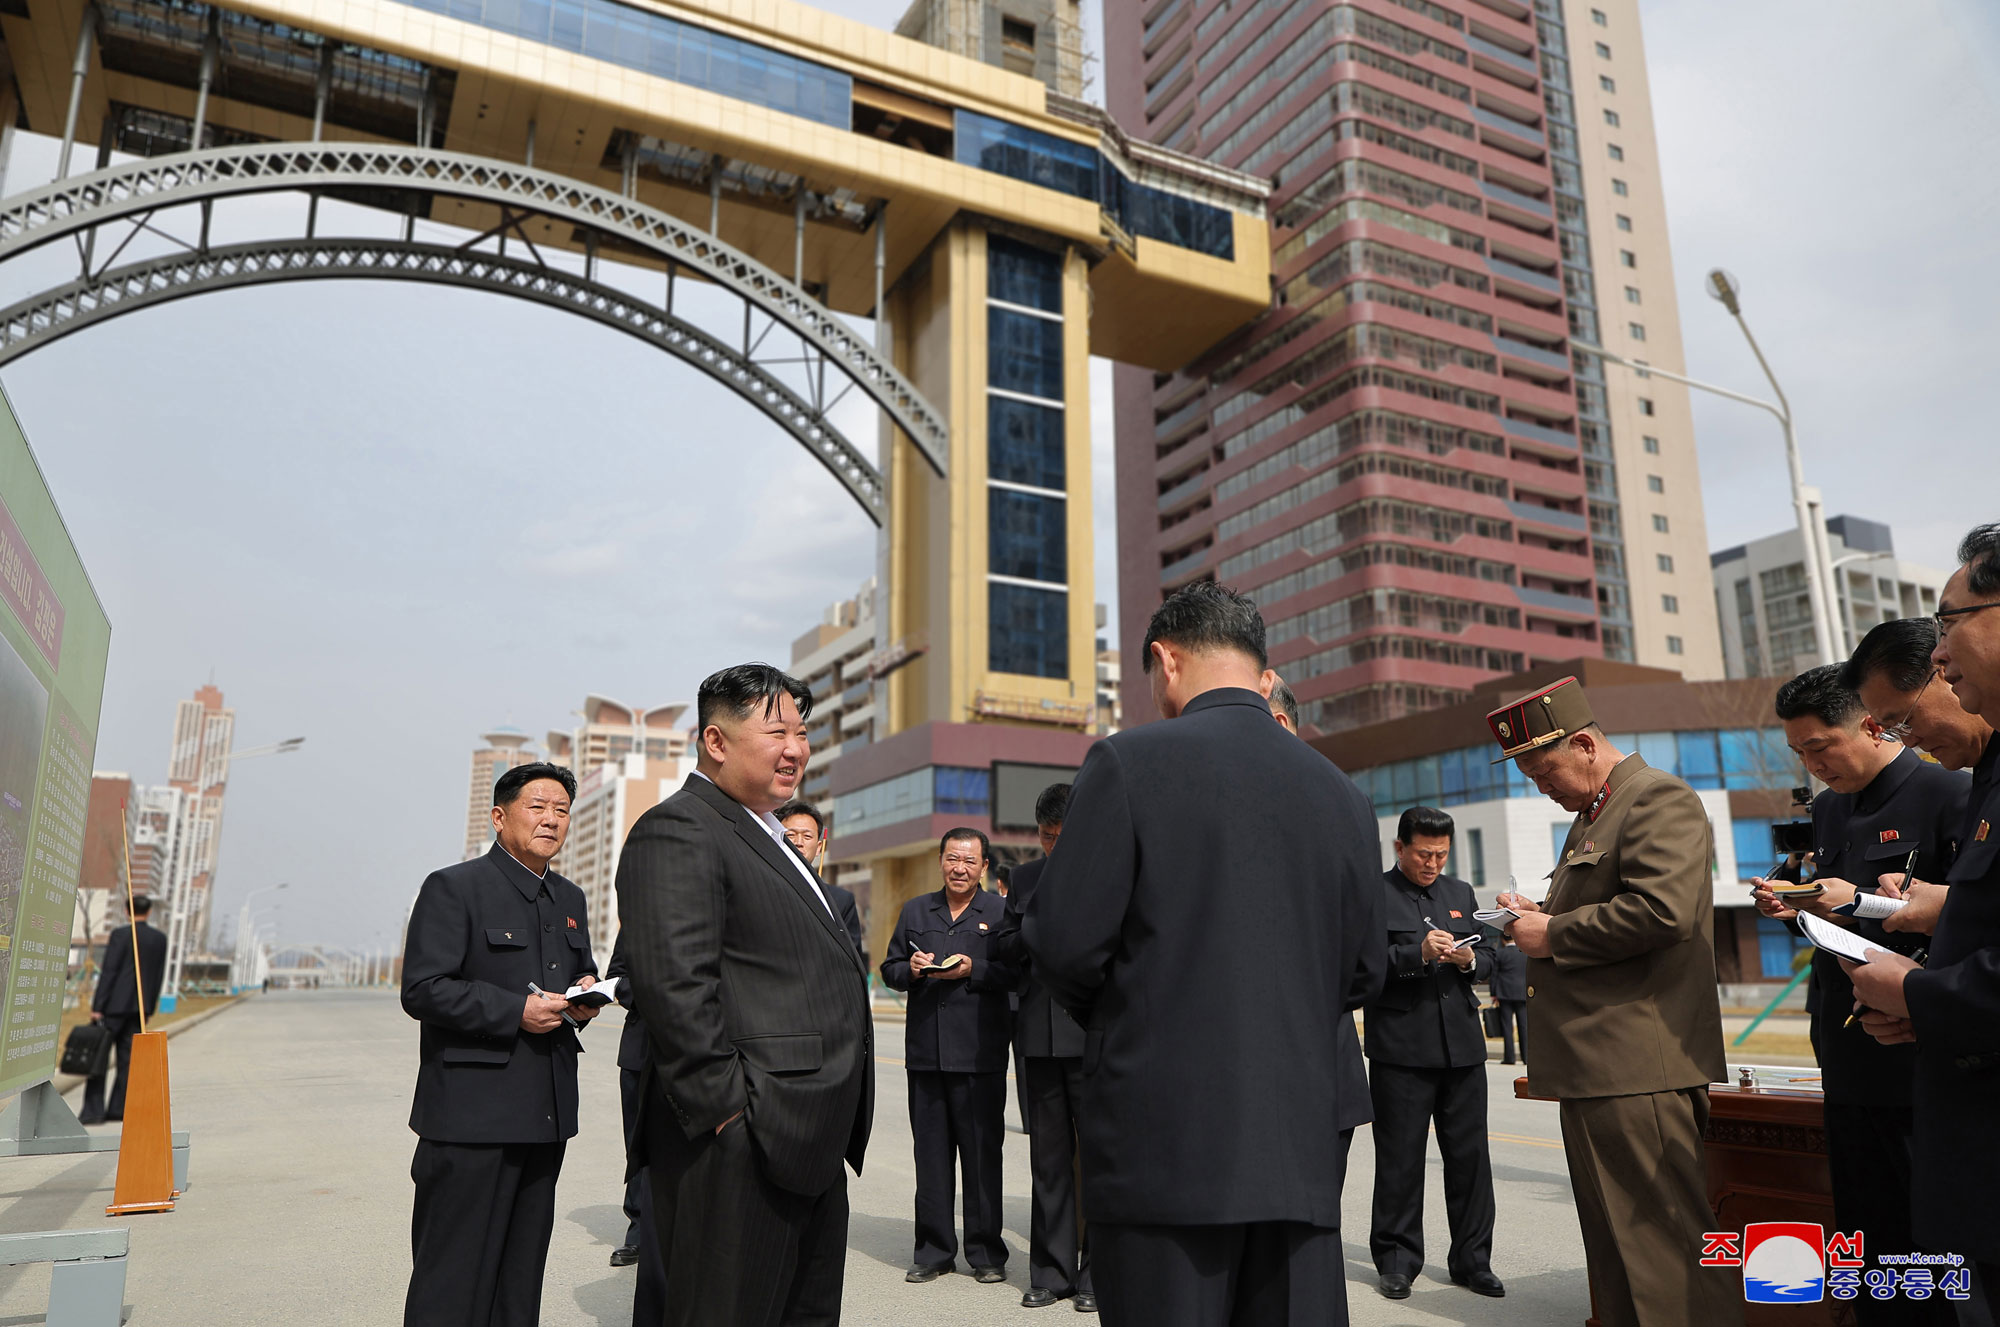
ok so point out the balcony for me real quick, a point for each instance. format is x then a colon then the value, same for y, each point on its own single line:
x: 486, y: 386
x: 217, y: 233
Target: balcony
x: 1174, y: 571
x: 1535, y: 514
x: 1180, y: 419
x: 1183, y: 492
x: 1548, y: 359
x: 1538, y: 433
x: 1548, y: 601
x: 1523, y: 276
x: 1517, y: 200
x: 1526, y: 133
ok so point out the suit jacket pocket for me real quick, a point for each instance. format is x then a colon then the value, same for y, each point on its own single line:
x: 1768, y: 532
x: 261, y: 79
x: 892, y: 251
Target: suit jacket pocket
x: 501, y: 938
x: 788, y: 1053
x: 476, y: 1054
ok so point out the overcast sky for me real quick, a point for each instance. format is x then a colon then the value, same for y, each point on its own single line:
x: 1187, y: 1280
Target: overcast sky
x: 387, y: 518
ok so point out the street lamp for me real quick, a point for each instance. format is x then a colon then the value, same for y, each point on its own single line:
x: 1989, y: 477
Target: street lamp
x: 1805, y: 500
x: 177, y: 900
x: 242, y: 958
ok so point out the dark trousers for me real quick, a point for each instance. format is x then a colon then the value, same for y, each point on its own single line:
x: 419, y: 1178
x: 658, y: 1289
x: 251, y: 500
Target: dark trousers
x: 479, y: 1233
x: 1868, y: 1161
x: 121, y: 1027
x: 649, y: 1296
x: 1638, y: 1171
x: 1513, y: 1016
x: 1272, y: 1274
x: 1058, y: 1259
x: 737, y: 1248
x: 1407, y: 1102
x: 962, y: 1118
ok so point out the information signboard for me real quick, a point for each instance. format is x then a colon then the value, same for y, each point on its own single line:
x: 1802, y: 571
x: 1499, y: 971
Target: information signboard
x: 54, y: 639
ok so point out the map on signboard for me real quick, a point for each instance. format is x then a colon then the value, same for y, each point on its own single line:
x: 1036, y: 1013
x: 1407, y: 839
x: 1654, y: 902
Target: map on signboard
x: 54, y: 639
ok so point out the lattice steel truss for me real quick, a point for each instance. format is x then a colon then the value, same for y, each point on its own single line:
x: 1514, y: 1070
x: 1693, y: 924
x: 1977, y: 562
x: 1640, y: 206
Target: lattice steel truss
x: 106, y: 294
x: 131, y: 195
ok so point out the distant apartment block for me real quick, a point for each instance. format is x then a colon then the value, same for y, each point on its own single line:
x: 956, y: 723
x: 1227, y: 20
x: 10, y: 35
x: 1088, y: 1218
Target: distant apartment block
x: 610, y: 798
x: 612, y: 730
x: 505, y: 748
x: 1403, y: 462
x: 204, y: 730
x: 835, y: 659
x: 1764, y: 612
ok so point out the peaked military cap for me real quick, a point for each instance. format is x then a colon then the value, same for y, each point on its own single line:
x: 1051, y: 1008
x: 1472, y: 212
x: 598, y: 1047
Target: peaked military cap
x: 1536, y: 720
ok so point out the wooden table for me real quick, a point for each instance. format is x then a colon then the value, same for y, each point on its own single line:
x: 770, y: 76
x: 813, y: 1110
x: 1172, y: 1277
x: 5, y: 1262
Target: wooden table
x: 1766, y: 1162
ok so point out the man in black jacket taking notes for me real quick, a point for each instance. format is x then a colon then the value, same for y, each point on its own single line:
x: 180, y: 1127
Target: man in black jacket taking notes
x: 116, y: 1004
x: 1214, y: 911
x: 493, y: 944
x: 1427, y: 1064
x: 761, y: 1081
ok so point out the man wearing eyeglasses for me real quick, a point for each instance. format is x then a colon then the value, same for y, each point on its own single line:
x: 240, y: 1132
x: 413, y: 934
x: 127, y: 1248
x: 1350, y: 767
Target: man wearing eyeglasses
x: 1950, y: 1006
x: 1427, y: 1056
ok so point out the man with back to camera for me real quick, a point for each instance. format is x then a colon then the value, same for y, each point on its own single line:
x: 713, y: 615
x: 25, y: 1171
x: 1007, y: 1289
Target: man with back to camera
x: 1427, y: 1064
x: 805, y: 830
x: 493, y: 943
x: 761, y: 1078
x: 116, y: 1003
x: 1509, y: 985
x: 1213, y: 913
x: 1628, y: 1026
x: 948, y: 953
x: 1882, y: 803
x: 1049, y: 1054
x: 1354, y: 1107
x: 1950, y: 1007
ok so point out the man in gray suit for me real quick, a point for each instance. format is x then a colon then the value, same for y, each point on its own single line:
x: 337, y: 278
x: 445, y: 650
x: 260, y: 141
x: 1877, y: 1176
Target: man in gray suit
x: 760, y: 1078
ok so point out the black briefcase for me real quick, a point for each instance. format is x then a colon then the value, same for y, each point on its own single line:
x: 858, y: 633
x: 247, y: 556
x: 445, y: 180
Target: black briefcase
x: 87, y: 1053
x: 1489, y: 1018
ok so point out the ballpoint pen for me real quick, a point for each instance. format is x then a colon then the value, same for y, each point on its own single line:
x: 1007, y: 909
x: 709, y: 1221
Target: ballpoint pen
x: 566, y: 1017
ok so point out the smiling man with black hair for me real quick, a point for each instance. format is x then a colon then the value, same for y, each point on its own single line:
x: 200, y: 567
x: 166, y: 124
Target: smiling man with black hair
x: 761, y: 1079
x: 493, y: 943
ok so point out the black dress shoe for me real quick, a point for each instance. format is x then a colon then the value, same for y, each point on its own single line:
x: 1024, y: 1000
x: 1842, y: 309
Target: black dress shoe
x: 90, y: 1119
x: 923, y: 1272
x: 1482, y: 1282
x: 1394, y: 1285
x: 1508, y: 1060
x: 1086, y: 1302
x: 987, y: 1276
x: 625, y: 1255
x: 1039, y: 1297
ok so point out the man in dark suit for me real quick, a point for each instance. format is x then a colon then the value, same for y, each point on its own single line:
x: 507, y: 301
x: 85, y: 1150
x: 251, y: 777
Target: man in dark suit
x: 116, y: 1004
x: 1048, y: 1046
x: 805, y: 830
x: 1950, y: 1007
x: 1881, y: 805
x: 1353, y: 1106
x: 493, y: 944
x: 1427, y: 1062
x: 1509, y: 984
x: 945, y: 952
x: 1213, y: 913
x: 761, y: 1078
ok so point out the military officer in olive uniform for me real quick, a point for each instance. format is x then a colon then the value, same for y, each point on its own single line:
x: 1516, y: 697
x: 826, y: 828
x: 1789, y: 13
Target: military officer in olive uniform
x: 1622, y: 996
x: 1882, y: 804
x: 496, y: 1084
x: 1427, y: 1060
x: 955, y: 1046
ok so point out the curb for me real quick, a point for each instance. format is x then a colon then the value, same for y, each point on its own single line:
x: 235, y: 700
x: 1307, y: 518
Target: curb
x: 68, y: 1083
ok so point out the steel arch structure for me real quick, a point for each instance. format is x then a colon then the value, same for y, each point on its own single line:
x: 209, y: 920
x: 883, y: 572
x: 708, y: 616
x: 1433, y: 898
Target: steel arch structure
x: 104, y: 295
x: 135, y: 192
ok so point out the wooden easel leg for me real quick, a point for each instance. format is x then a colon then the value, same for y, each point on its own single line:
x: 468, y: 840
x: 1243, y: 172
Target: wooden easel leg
x: 146, y: 1147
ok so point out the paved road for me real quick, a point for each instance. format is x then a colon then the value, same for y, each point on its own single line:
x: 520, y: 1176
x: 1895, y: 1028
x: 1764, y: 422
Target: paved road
x: 300, y: 1197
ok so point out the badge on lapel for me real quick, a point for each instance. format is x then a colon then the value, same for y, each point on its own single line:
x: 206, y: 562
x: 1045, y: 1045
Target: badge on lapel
x: 571, y: 921
x: 1980, y: 836
x: 982, y: 926
x: 1456, y: 913
x: 1889, y: 836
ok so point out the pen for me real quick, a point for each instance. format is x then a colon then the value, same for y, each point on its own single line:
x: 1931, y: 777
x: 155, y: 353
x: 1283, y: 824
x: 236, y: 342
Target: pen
x: 1910, y: 869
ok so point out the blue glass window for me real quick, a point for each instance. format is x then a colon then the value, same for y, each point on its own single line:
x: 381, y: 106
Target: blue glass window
x: 962, y: 792
x: 655, y: 44
x: 1026, y: 154
x: 1700, y: 765
x: 1022, y: 274
x: 1027, y: 630
x: 1172, y: 219
x: 1027, y: 535
x: 1751, y: 837
x: 1757, y: 758
x: 1660, y: 751
x: 1025, y: 443
x: 1451, y: 777
x: 1427, y: 780
x: 1024, y: 353
x: 1559, y: 835
x: 1776, y: 945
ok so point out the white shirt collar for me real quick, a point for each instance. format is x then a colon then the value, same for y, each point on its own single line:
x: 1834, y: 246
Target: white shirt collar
x: 771, y: 825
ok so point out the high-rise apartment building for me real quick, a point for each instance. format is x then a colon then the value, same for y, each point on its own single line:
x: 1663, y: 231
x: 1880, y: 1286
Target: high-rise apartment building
x: 612, y: 730
x: 1402, y: 461
x: 609, y: 801
x: 505, y: 748
x: 198, y: 767
x: 1765, y: 611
